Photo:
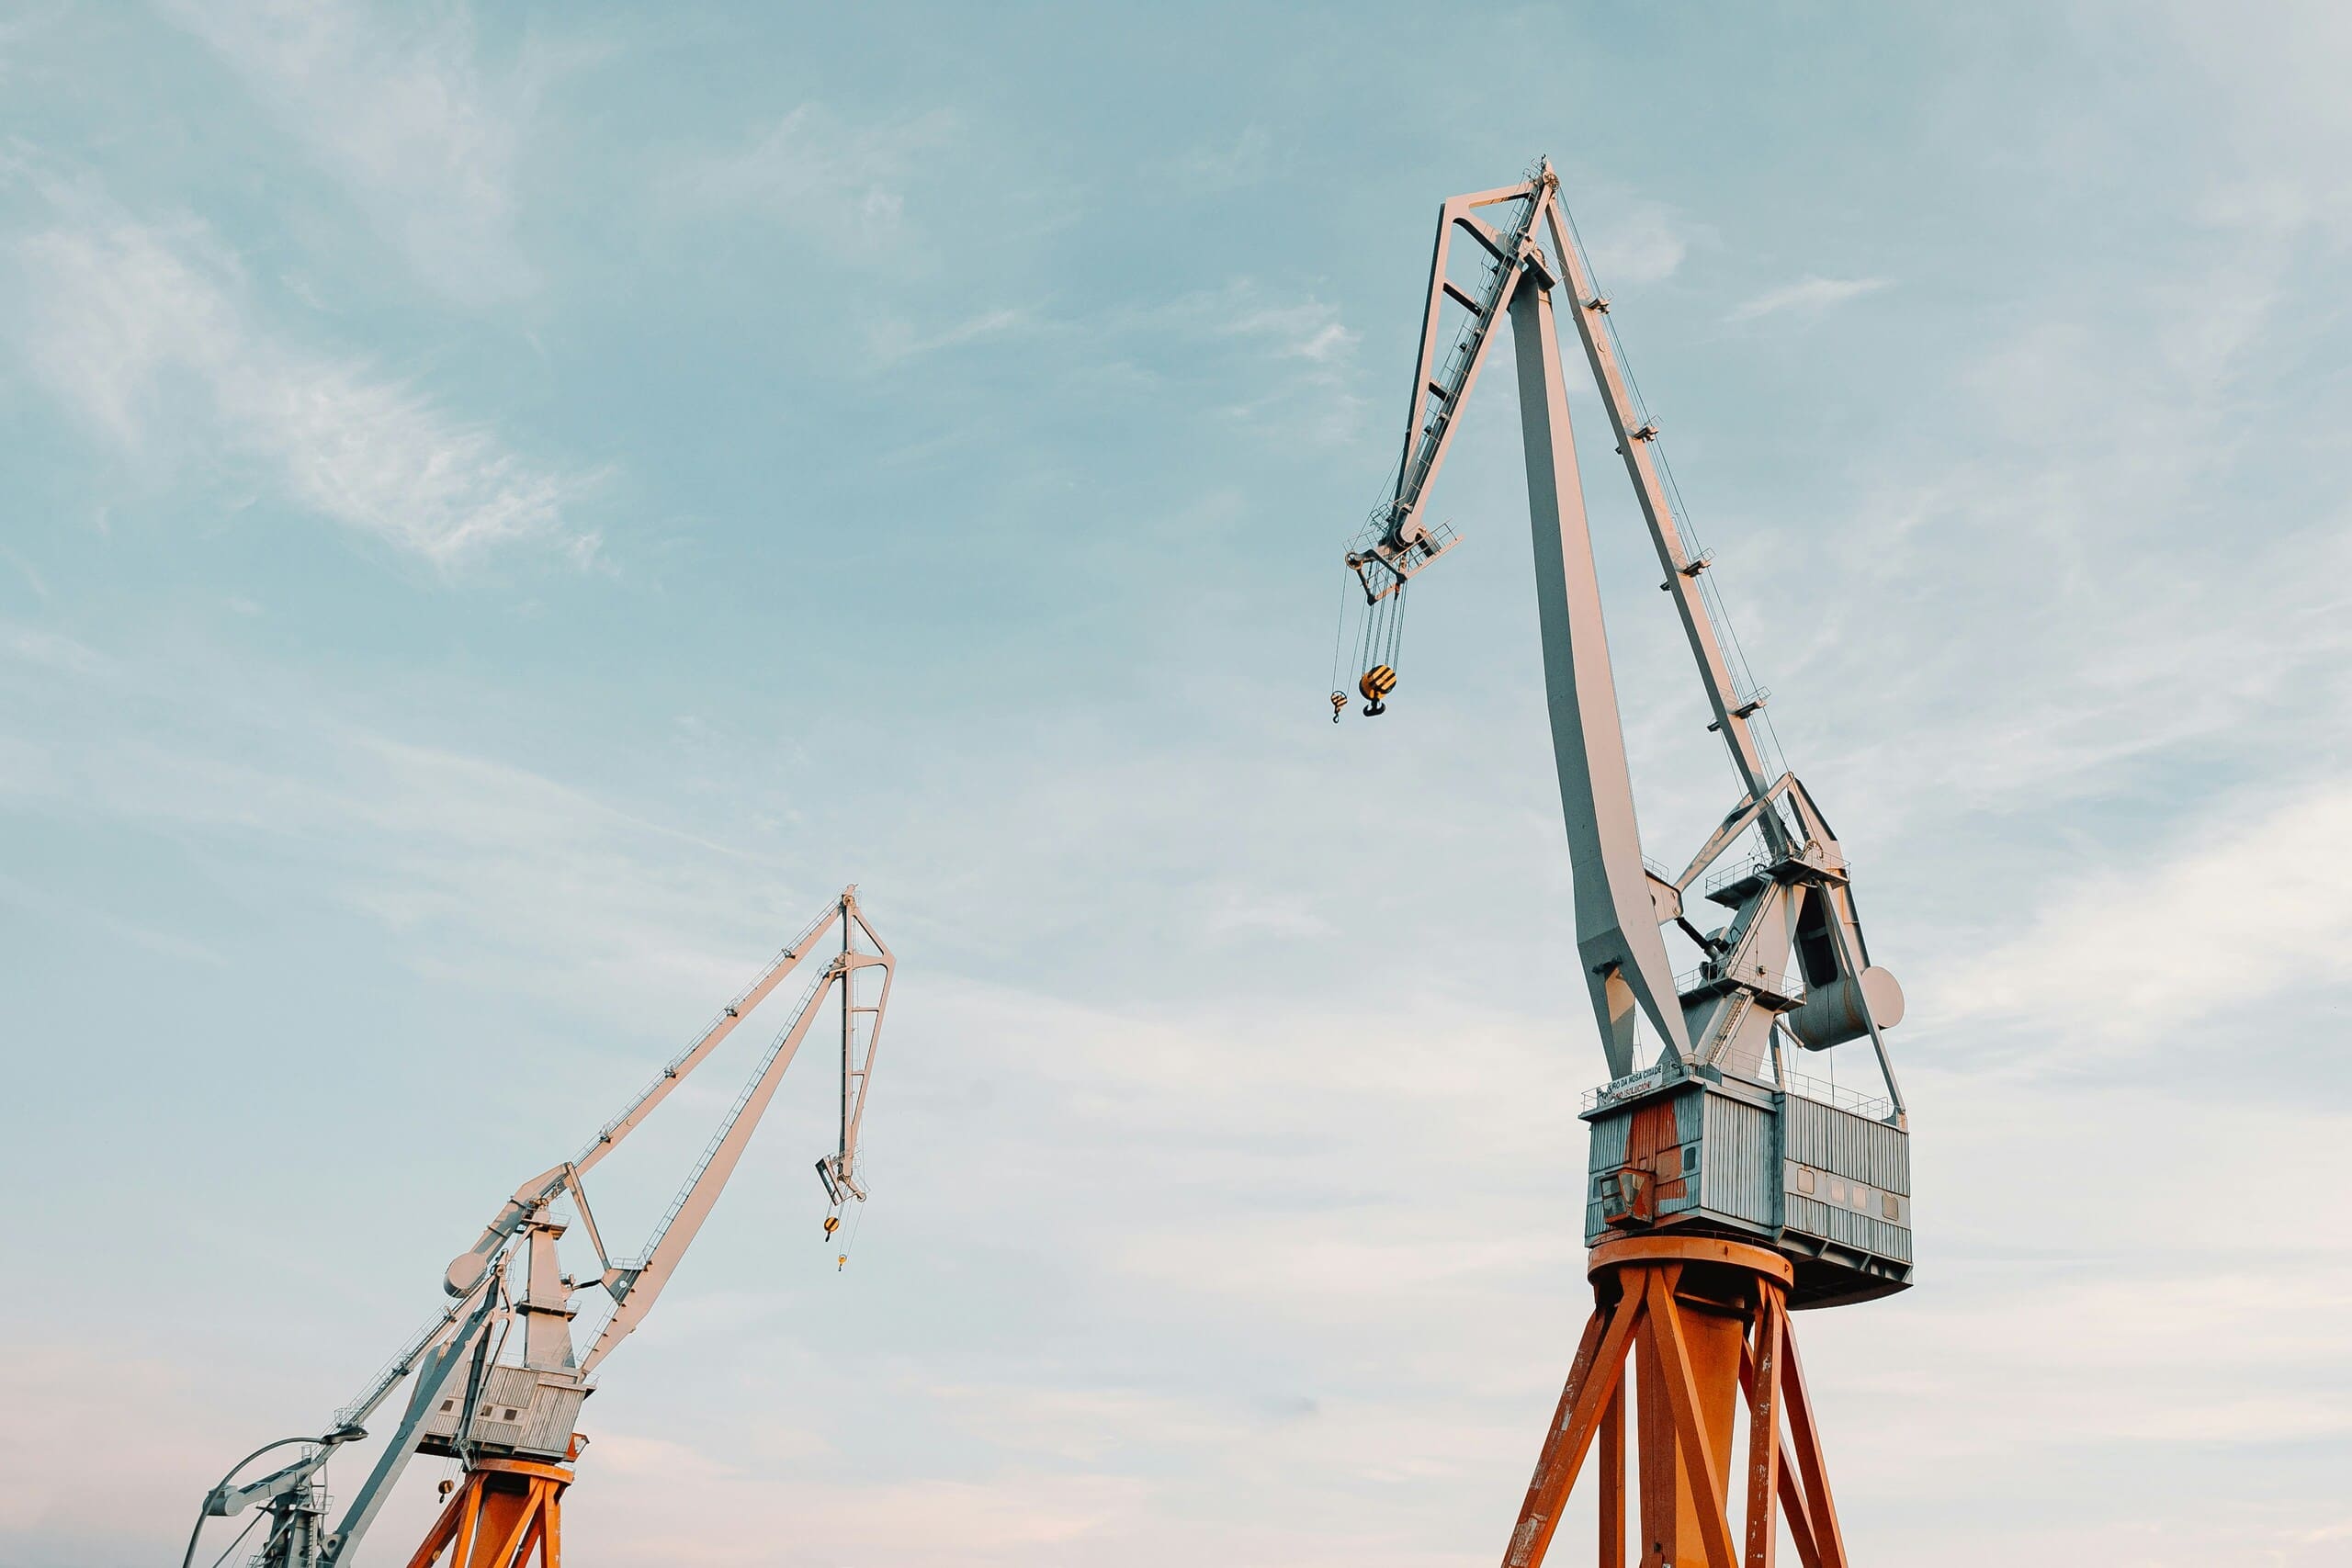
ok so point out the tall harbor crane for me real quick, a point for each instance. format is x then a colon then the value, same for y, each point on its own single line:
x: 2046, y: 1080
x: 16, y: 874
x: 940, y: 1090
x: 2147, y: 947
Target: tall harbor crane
x: 495, y: 1379
x: 1726, y: 1185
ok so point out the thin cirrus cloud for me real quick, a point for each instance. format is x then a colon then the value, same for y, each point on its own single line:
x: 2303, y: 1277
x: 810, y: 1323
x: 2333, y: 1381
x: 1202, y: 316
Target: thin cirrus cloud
x: 897, y: 340
x: 1305, y: 376
x: 412, y: 128
x: 2195, y: 944
x: 1306, y: 329
x: 1642, y: 245
x: 822, y: 173
x: 1808, y: 296
x: 139, y: 330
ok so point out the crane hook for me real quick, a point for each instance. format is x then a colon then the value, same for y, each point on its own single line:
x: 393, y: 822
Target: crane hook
x: 832, y: 1224
x: 1377, y: 683
x: 1339, y: 706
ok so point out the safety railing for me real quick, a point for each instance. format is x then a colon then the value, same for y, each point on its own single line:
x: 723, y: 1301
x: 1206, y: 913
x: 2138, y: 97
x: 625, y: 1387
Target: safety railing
x: 1822, y: 1091
x: 1740, y: 870
x: 1625, y: 1088
x: 1689, y: 980
x: 1876, y: 1107
x: 402, y: 1362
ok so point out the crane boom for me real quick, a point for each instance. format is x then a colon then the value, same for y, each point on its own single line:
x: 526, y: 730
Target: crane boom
x: 1623, y: 958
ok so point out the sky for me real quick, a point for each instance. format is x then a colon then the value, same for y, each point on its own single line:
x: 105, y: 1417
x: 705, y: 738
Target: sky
x: 507, y: 509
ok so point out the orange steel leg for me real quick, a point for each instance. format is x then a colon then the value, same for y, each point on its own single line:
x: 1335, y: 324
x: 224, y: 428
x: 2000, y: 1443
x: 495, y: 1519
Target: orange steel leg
x: 508, y: 1512
x: 1763, y: 1425
x: 1612, y: 1480
x: 1704, y: 1322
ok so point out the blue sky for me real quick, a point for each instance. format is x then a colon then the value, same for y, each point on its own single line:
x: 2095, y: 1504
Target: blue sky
x: 507, y: 511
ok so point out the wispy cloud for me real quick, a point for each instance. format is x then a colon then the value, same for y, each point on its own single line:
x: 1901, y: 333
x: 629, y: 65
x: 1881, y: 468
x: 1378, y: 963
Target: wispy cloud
x: 2270, y: 101
x: 142, y: 331
x: 1810, y: 295
x: 822, y: 173
x: 1642, y: 244
x: 897, y: 340
x: 1293, y: 354
x: 1218, y: 167
x: 527, y: 877
x: 1306, y: 329
x: 1253, y: 914
x: 406, y: 120
x: 2127, y: 956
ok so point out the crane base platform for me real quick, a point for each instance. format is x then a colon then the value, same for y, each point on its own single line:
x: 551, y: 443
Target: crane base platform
x: 507, y: 1513
x: 1705, y: 1320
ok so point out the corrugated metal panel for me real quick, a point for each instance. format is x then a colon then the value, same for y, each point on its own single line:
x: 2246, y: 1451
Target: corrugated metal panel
x: 1830, y: 1139
x: 553, y: 1415
x: 1739, y: 1169
x: 1690, y: 1114
x: 1813, y: 1217
x: 1608, y: 1151
x: 1608, y: 1142
x: 509, y: 1386
x: 545, y: 1405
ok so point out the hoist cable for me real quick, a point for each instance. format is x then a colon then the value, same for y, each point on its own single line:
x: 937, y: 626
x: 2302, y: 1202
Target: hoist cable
x: 1736, y: 655
x: 1340, y: 631
x: 857, y: 1221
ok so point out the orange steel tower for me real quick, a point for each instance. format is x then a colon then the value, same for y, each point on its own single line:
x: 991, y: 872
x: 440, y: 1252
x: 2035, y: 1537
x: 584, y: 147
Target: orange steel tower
x: 1727, y: 1186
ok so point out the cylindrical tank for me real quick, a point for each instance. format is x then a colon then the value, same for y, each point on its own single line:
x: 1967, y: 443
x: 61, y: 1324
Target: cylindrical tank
x: 1833, y: 1014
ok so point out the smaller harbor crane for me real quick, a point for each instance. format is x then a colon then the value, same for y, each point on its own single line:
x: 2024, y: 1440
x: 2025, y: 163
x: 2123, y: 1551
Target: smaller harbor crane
x: 495, y: 1379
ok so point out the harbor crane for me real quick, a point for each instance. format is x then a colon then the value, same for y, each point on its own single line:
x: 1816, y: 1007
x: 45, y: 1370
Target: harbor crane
x: 495, y: 1379
x: 1726, y: 1186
